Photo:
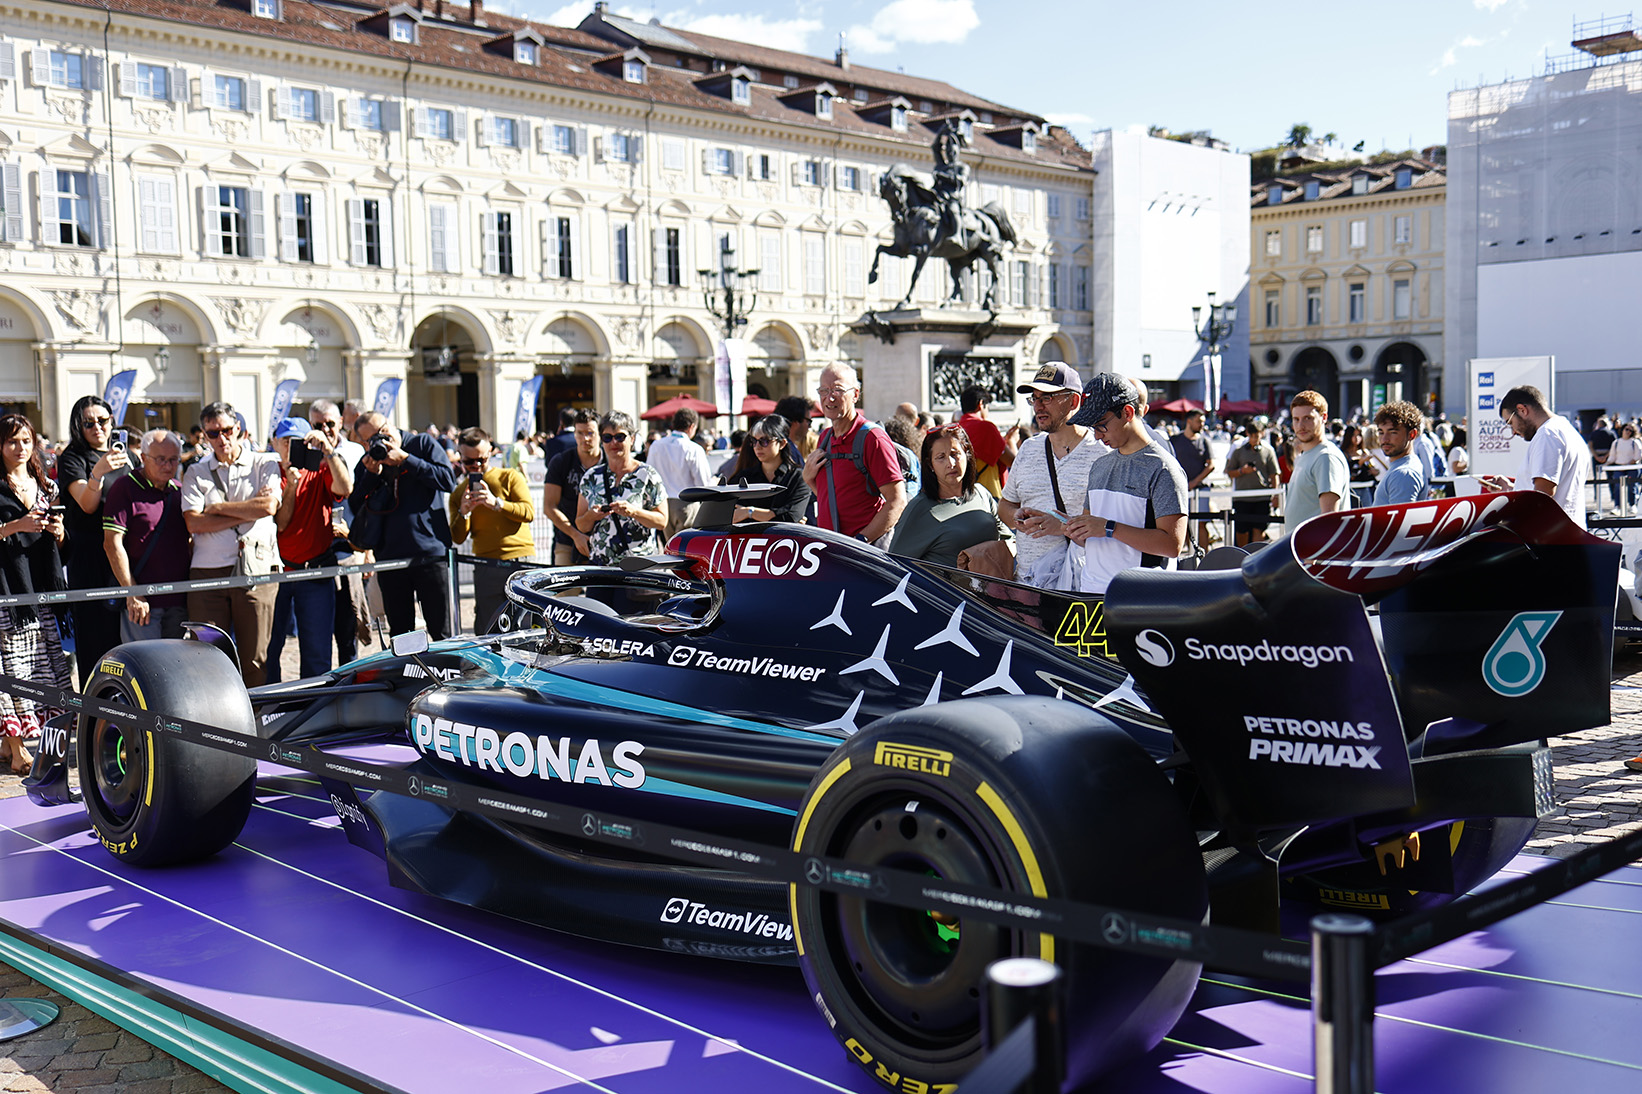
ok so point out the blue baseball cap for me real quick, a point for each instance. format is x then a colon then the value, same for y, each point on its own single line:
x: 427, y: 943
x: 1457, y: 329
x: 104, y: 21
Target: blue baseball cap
x: 293, y: 427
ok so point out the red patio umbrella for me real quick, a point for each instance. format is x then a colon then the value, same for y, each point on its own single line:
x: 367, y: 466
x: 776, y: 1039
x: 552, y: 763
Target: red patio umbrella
x: 1230, y: 408
x: 1176, y: 406
x: 753, y: 406
x: 679, y: 402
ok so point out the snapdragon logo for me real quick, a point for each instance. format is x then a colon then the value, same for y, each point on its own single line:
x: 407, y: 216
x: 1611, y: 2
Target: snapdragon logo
x: 1515, y: 665
x: 1155, y: 648
x: 1264, y: 651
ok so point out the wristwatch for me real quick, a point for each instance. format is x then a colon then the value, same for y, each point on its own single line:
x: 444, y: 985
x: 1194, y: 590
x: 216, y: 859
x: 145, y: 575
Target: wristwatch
x: 1111, y: 527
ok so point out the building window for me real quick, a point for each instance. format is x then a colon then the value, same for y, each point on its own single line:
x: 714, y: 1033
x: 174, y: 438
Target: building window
x: 1083, y: 208
x: 1356, y: 301
x: 815, y: 265
x: 402, y: 30
x: 301, y: 104
x: 672, y: 155
x: 633, y: 72
x: 762, y: 167
x: 498, y: 243
x: 741, y: 90
x: 1274, y: 195
x: 812, y: 172
x: 1054, y: 285
x: 1029, y: 141
x: 564, y: 140
x: 1314, y: 305
x: 80, y: 209
x: 624, y: 255
x: 524, y: 52
x: 265, y: 9
x: 850, y: 178
x: 966, y: 126
x: 67, y: 70
x: 230, y: 221
x: 723, y: 161
x: 1274, y: 243
x: 228, y: 92
x: 855, y: 285
x: 672, y: 256
x: 823, y: 104
x: 861, y: 95
x: 898, y: 118
x: 296, y: 227
x: 438, y: 123
x: 365, y: 114
x: 1404, y: 228
x: 769, y: 264
x: 1313, y: 190
x: 1080, y: 288
x: 1054, y: 205
x: 561, y: 262
x: 1359, y: 184
x: 1314, y: 240
x: 367, y: 232
x: 1405, y: 177
x: 1402, y: 299
x: 151, y: 82
x: 621, y: 148
x: 1019, y: 283
x: 790, y: 82
x: 504, y: 131
x: 1274, y: 308
x: 1359, y: 234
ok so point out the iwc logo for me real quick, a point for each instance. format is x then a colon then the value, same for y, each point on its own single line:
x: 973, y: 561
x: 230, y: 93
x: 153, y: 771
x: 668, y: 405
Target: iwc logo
x: 1515, y: 665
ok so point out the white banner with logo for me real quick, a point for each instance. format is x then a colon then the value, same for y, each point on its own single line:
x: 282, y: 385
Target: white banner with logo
x: 730, y: 376
x: 1492, y: 448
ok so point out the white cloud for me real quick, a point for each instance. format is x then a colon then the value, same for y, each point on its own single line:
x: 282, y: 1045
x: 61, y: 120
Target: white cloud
x: 567, y: 16
x: 1069, y: 121
x: 1450, y: 56
x: 789, y: 34
x: 1489, y: 5
x: 922, y: 21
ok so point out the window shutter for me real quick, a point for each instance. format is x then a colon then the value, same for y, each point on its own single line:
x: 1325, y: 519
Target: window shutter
x: 125, y: 78
x: 179, y: 84
x: 147, y: 217
x: 576, y: 247
x: 579, y: 144
x: 165, y: 208
x: 285, y: 214
x: 40, y: 68
x: 658, y: 254
x: 8, y: 61
x: 635, y: 148
x: 356, y: 230
x: 93, y: 68
x: 45, y: 192
x: 197, y: 91
x: 482, y: 138
x: 258, y: 222
x: 384, y: 230
x: 421, y: 122
x: 491, y: 263
x: 550, y: 265
x: 348, y: 118
x: 437, y: 245
x: 11, y: 200
x: 459, y: 125
x: 391, y: 116
x: 251, y: 101
x: 316, y: 226
x: 598, y: 149
x: 739, y: 166
x: 327, y: 108
x: 543, y: 139
x: 103, y: 201
x: 282, y: 98
x: 706, y: 161
x: 209, y: 228
x: 797, y: 178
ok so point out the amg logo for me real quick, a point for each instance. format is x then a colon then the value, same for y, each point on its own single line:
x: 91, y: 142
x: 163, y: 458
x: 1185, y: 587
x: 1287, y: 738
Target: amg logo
x: 930, y: 761
x: 417, y: 672
x: 1346, y: 898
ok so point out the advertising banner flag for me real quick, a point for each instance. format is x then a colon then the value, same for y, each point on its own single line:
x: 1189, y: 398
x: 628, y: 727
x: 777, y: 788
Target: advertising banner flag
x: 730, y: 374
x: 284, y: 395
x: 387, y: 393
x: 1493, y: 450
x: 524, y: 415
x: 117, y: 393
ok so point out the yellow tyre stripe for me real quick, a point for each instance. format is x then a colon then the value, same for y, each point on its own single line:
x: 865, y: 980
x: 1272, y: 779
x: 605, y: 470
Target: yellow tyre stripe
x: 148, y: 785
x: 798, y: 840
x: 136, y: 687
x: 1017, y: 836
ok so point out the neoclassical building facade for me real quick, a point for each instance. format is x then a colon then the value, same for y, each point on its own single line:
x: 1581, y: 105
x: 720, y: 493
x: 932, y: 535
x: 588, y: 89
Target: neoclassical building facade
x: 224, y: 194
x: 1346, y: 284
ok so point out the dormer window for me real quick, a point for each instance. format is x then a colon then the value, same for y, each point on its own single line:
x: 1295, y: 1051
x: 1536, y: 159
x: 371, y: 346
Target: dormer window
x: 1274, y: 195
x: 860, y: 94
x: 1405, y: 177
x: 898, y: 119
x: 633, y: 71
x: 402, y: 30
x: 1359, y: 184
x: 524, y: 52
x: 789, y: 82
x: 741, y: 90
x: 1313, y: 188
x: 1029, y: 141
x: 986, y: 116
x: 265, y: 9
x: 966, y: 126
x: 823, y: 104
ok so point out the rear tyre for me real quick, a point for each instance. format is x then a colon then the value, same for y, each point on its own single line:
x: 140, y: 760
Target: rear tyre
x: 154, y: 799
x: 1022, y: 793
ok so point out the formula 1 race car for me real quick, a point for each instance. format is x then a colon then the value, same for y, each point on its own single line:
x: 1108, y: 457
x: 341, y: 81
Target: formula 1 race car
x: 1223, y: 742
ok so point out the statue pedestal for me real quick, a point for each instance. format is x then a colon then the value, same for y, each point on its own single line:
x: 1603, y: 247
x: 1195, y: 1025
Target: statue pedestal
x: 927, y: 356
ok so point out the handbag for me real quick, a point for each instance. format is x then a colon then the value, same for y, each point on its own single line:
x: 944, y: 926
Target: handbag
x: 993, y: 558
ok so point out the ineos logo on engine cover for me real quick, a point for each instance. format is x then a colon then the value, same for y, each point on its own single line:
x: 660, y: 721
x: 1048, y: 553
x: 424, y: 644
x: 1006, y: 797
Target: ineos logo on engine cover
x: 1155, y: 648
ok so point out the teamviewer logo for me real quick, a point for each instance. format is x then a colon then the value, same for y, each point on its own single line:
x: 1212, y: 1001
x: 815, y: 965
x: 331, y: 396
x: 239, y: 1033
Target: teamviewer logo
x: 674, y: 910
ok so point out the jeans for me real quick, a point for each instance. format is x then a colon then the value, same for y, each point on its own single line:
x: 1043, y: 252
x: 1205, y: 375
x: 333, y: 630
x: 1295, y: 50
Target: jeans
x: 162, y: 623
x: 429, y: 582
x: 1625, y: 481
x: 247, y: 614
x: 311, y: 607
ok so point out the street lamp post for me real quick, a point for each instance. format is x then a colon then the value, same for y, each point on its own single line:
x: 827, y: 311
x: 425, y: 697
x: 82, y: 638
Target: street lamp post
x: 725, y: 291
x: 1222, y: 319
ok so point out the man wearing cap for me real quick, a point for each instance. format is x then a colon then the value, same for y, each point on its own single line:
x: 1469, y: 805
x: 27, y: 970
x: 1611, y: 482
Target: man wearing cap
x: 315, y: 477
x: 1046, y: 481
x: 1252, y: 466
x: 1136, y: 496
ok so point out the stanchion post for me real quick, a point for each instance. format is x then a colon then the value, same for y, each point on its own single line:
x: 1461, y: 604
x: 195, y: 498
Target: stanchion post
x: 1018, y: 988
x: 455, y: 591
x: 1342, y: 1005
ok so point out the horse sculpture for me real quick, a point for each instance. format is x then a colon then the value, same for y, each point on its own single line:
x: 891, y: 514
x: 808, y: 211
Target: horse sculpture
x: 981, y: 233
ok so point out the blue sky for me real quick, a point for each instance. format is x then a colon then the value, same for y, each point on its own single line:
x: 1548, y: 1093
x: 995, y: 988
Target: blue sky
x: 1378, y: 73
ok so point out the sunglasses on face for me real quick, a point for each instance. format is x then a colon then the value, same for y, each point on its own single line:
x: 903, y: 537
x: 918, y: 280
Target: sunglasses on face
x: 1045, y: 400
x: 477, y: 461
x: 329, y: 427
x: 96, y: 423
x: 226, y: 431
x: 763, y: 442
x: 613, y: 438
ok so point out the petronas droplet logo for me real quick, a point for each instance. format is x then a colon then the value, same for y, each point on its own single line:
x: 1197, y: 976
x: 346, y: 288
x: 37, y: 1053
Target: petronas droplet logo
x: 1515, y: 664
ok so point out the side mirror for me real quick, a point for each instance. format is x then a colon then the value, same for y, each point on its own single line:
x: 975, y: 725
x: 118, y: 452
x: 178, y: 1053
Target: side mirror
x: 410, y: 643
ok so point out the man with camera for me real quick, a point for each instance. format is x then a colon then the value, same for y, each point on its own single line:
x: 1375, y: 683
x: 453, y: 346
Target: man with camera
x: 228, y: 502
x: 396, y: 513
x: 314, y: 475
x: 493, y: 503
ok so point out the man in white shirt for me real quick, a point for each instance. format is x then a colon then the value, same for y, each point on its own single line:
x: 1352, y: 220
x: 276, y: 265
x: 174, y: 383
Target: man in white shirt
x: 1555, y: 461
x: 682, y: 463
x: 229, y: 496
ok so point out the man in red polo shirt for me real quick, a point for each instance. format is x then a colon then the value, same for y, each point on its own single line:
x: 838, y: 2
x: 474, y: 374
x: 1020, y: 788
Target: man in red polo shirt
x: 856, y: 478
x: 994, y: 451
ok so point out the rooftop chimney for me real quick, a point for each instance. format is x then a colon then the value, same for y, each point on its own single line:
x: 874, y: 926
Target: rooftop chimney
x: 476, y: 12
x: 600, y: 7
x: 842, y: 57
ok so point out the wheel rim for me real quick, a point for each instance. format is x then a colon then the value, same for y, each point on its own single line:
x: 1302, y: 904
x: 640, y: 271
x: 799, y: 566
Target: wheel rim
x: 912, y: 971
x: 118, y: 764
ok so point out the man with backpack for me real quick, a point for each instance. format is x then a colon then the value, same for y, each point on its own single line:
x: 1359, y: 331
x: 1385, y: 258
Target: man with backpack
x: 859, y: 486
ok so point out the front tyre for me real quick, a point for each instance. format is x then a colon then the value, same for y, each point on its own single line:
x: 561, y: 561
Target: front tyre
x: 1023, y: 793
x: 154, y: 799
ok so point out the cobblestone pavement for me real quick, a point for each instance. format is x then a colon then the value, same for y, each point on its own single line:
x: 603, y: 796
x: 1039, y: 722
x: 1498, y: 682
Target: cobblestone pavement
x: 82, y: 1053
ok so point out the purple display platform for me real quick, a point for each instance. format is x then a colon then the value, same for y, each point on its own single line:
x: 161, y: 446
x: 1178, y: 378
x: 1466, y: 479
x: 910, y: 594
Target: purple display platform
x: 296, y: 933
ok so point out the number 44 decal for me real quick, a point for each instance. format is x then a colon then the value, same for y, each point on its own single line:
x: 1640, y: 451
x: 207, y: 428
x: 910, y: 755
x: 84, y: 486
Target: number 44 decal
x: 1083, y: 628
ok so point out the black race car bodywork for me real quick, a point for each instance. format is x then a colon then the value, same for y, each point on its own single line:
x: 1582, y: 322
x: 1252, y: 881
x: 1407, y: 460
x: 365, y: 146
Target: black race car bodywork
x: 1242, y: 734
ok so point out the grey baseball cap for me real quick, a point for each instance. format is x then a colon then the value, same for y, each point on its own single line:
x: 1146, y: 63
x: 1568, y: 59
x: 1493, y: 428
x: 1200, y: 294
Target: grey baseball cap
x: 1053, y: 377
x: 1105, y: 393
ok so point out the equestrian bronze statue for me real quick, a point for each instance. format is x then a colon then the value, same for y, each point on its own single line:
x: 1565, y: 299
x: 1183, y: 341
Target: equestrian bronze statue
x: 931, y: 220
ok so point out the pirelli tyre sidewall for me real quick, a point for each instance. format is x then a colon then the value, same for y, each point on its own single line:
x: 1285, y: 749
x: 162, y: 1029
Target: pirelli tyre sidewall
x: 154, y: 799
x: 1022, y: 793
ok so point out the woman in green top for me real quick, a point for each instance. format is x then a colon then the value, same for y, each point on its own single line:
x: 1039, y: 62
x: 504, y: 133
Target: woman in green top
x: 948, y: 515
